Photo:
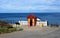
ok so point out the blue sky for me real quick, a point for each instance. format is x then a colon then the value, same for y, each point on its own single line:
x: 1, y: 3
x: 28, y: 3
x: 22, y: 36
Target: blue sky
x: 12, y: 6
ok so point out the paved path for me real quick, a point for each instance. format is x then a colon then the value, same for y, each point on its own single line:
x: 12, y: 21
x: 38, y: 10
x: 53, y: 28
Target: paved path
x: 51, y: 33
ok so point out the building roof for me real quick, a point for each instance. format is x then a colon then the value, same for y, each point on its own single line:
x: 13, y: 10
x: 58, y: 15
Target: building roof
x: 31, y: 16
x: 38, y: 19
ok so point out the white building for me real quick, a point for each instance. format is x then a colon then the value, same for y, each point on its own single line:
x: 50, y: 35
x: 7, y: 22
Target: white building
x: 41, y: 22
x: 23, y: 22
x: 37, y: 23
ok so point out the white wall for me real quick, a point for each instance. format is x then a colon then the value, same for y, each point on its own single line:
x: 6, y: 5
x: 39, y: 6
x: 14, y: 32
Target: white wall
x: 42, y: 22
x: 38, y: 23
x: 23, y: 22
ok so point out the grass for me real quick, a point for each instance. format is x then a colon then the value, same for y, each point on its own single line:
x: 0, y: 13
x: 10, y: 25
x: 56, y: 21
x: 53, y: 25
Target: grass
x: 5, y: 27
x: 9, y: 30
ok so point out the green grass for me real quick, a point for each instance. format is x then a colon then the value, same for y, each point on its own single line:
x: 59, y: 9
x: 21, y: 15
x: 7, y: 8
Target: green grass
x: 9, y: 30
x: 19, y: 28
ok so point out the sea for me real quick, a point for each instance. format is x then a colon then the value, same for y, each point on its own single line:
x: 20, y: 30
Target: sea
x: 12, y: 18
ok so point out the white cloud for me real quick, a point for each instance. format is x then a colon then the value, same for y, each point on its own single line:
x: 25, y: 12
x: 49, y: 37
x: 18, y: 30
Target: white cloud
x: 28, y: 5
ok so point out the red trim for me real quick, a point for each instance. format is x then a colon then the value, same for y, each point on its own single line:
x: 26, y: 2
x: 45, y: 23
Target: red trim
x: 31, y: 16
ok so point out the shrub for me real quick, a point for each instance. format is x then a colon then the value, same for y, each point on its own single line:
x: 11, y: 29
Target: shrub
x: 19, y: 29
x: 14, y: 29
x: 5, y: 24
x: 7, y: 28
x: 11, y: 30
x: 3, y: 29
